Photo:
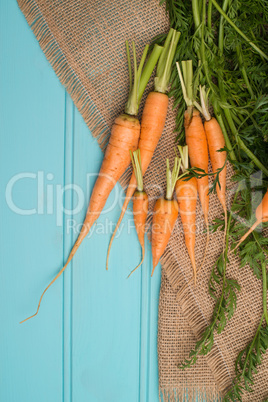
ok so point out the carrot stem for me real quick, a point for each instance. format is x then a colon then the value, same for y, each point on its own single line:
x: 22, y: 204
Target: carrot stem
x: 134, y: 92
x: 225, y: 16
x: 204, y: 103
x: 243, y: 70
x: 143, y: 254
x: 172, y: 177
x: 264, y: 287
x: 189, y: 80
x: 184, y: 157
x: 129, y: 66
x: 163, y: 57
x: 148, y: 69
x: 209, y: 14
x: 186, y: 77
x: 196, y: 13
x: 163, y: 71
x: 136, y: 163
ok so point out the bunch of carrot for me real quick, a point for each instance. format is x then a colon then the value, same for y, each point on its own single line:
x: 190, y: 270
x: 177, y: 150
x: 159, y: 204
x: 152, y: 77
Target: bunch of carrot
x: 153, y: 118
x: 126, y: 133
x: 165, y: 211
x: 131, y: 141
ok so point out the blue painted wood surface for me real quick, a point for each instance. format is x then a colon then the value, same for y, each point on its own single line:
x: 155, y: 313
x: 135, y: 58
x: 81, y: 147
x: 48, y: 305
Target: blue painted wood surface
x: 95, y: 338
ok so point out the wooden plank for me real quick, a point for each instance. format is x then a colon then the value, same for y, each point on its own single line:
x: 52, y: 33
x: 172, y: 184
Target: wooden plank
x: 68, y: 241
x: 32, y: 144
x: 95, y: 337
x: 106, y: 306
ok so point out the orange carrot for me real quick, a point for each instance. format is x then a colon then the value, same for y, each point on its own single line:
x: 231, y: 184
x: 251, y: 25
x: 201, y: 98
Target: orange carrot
x: 186, y: 192
x: 140, y: 212
x: 140, y: 204
x: 124, y: 138
x: 165, y: 215
x: 195, y: 134
x: 215, y: 140
x: 198, y: 153
x: 195, y: 138
x: 215, y: 143
x: 152, y: 124
x: 261, y: 216
x: 153, y: 120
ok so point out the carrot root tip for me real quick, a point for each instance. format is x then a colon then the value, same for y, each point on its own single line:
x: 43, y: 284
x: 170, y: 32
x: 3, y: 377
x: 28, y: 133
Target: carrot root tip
x: 143, y: 254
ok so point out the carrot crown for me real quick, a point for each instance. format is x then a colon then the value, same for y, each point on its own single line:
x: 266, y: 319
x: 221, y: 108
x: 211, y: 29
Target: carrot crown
x: 140, y: 77
x: 183, y: 151
x: 163, y: 70
x: 204, y: 108
x: 136, y: 163
x: 172, y: 177
x: 188, y: 83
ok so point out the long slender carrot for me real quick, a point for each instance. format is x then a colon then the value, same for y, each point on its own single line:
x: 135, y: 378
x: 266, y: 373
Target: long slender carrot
x: 186, y: 193
x: 124, y: 138
x: 198, y: 154
x: 216, y: 143
x: 140, y: 204
x: 165, y: 215
x: 261, y: 216
x: 195, y: 134
x: 195, y: 138
x: 153, y: 119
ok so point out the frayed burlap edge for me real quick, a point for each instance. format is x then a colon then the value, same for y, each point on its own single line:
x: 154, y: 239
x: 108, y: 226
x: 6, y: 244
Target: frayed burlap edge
x: 65, y: 73
x: 67, y: 76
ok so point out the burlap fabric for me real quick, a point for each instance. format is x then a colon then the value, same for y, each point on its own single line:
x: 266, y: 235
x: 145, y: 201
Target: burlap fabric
x: 84, y: 42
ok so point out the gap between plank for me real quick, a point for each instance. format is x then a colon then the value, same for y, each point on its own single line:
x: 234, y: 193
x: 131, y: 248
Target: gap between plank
x: 67, y: 245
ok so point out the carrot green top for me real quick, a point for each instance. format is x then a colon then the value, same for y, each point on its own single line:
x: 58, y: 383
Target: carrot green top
x: 163, y: 70
x: 184, y: 157
x: 141, y: 75
x: 172, y: 177
x: 136, y: 163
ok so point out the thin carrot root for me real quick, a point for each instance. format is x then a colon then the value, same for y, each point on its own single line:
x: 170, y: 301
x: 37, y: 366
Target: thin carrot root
x: 143, y: 255
x: 56, y: 277
x: 206, y: 247
x: 253, y: 227
x: 79, y: 240
x: 115, y: 230
x: 194, y: 277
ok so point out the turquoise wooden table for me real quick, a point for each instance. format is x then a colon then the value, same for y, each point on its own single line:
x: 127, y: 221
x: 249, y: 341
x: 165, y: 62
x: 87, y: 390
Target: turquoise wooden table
x: 95, y: 337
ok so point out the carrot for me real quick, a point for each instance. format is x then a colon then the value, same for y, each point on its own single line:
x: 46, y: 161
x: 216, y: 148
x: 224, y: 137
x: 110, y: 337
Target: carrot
x: 195, y: 138
x: 216, y: 142
x: 186, y: 192
x: 195, y: 134
x: 153, y: 119
x: 124, y: 138
x: 140, y: 204
x: 261, y: 216
x: 165, y: 215
x: 198, y: 153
